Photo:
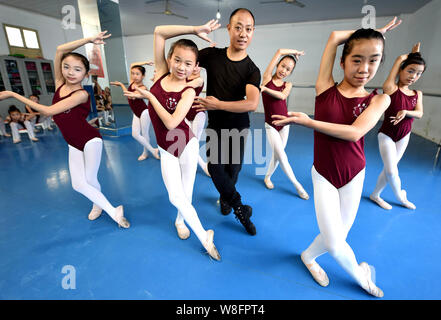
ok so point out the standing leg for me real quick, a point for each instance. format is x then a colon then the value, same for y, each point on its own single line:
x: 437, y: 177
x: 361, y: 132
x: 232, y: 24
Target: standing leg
x: 90, y: 159
x: 278, y: 141
x: 188, y: 164
x: 391, y: 153
x: 136, y: 134
x: 145, y: 126
x: 197, y: 127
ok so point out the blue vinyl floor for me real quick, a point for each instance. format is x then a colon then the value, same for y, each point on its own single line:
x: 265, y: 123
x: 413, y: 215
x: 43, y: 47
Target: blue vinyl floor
x: 44, y: 227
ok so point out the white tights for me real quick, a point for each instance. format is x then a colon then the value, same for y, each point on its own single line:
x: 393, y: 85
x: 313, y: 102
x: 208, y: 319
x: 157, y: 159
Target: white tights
x: 140, y: 131
x: 83, y: 168
x: 391, y: 153
x: 178, y: 175
x: 335, y: 211
x: 278, y: 141
x: 197, y: 126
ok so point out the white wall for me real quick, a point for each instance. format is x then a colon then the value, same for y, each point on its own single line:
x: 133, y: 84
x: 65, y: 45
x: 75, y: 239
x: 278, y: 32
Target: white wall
x: 50, y: 32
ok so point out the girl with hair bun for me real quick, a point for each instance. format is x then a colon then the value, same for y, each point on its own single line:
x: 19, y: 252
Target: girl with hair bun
x: 344, y: 113
x: 394, y: 134
x: 70, y: 108
x: 141, y: 119
x: 170, y: 99
x: 275, y: 91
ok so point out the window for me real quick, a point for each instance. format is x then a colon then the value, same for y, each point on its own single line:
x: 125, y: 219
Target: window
x: 23, y: 40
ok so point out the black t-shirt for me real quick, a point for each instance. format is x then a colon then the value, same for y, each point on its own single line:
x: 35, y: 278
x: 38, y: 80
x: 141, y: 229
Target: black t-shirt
x: 227, y: 80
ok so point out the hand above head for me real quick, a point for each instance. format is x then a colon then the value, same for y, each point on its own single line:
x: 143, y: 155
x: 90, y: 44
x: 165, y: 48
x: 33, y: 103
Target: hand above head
x: 390, y: 26
x: 99, y: 38
x: 293, y: 52
x: 204, y: 30
x: 416, y: 47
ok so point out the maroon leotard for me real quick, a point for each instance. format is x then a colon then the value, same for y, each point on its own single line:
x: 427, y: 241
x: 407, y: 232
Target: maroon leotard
x: 137, y: 105
x: 337, y: 160
x: 192, y: 112
x: 177, y: 137
x: 273, y: 106
x: 73, y: 122
x: 398, y: 101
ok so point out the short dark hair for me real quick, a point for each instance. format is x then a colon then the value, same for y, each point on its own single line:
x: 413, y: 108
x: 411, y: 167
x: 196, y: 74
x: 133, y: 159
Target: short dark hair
x: 361, y: 34
x: 80, y: 57
x: 35, y: 95
x: 13, y: 108
x: 186, y: 43
x: 242, y: 9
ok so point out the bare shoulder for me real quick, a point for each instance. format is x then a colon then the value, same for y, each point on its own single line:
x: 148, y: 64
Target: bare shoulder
x: 81, y: 95
x: 381, y: 100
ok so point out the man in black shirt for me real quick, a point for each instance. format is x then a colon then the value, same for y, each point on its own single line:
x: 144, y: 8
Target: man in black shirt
x: 233, y: 90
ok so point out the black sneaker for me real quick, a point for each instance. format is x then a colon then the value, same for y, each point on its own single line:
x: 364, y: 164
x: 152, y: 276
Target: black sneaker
x: 243, y: 214
x: 224, y: 207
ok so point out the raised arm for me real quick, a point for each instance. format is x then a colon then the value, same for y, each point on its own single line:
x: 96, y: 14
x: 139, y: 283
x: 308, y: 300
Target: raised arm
x: 75, y: 99
x: 119, y: 84
x: 162, y: 33
x: 142, y: 63
x: 267, y: 75
x: 71, y: 46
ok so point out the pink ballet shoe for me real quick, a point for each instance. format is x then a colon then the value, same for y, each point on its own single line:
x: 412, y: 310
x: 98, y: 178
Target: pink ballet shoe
x: 210, y: 247
x: 370, y: 287
x: 156, y: 154
x: 143, y: 157
x: 317, y: 273
x: 268, y: 183
x: 380, y: 202
x: 183, y: 231
x: 120, y: 219
x: 95, y: 213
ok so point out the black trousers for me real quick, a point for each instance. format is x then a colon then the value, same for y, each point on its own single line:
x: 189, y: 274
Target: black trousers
x: 225, y: 150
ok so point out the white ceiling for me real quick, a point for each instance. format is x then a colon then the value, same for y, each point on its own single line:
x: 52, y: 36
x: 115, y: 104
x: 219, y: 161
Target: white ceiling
x: 135, y: 20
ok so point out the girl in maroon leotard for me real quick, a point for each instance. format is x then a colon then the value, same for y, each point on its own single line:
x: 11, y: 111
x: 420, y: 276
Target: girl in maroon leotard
x: 275, y: 91
x: 344, y: 113
x: 70, y: 108
x: 394, y: 134
x: 170, y: 99
x: 141, y: 119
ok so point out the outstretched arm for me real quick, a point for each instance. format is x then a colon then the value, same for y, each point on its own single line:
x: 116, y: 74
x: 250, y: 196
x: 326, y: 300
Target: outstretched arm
x: 75, y: 99
x: 352, y: 132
